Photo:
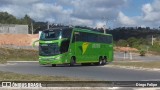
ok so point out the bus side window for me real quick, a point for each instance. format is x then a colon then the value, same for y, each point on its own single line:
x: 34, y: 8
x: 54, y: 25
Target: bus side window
x: 64, y: 46
x: 73, y: 39
x: 76, y: 37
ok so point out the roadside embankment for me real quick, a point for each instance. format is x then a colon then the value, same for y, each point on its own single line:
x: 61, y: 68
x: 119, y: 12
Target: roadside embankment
x: 10, y: 54
x: 135, y: 64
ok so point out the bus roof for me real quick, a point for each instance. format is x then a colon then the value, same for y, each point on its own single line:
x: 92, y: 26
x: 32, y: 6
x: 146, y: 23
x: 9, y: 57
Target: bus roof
x: 77, y: 29
x: 89, y: 31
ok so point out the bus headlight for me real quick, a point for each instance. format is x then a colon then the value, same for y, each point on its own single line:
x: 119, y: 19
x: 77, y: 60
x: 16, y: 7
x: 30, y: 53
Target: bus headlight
x: 59, y: 57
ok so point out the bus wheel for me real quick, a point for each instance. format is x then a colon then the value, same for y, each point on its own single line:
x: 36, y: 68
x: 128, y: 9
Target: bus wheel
x: 53, y: 65
x: 72, y: 62
x: 104, y: 61
x: 100, y: 61
x: 85, y: 64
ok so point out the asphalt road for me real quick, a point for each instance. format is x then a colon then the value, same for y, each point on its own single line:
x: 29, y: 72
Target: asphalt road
x: 85, y: 72
x: 120, y: 56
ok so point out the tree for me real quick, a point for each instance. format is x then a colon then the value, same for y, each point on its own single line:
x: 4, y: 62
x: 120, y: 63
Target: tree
x: 29, y: 21
x: 122, y: 43
x: 6, y: 18
x: 131, y: 41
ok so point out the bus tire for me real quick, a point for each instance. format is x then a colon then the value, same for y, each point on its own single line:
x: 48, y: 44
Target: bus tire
x: 53, y: 65
x: 100, y: 61
x: 73, y: 61
x: 85, y: 64
x: 104, y: 61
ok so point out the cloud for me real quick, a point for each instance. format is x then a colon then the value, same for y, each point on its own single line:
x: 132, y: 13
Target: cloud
x: 124, y: 20
x: 44, y: 11
x: 96, y: 9
x: 83, y: 22
x: 150, y: 16
x: 15, y: 10
x: 100, y: 24
x: 79, y: 12
x: 18, y: 2
x: 151, y: 11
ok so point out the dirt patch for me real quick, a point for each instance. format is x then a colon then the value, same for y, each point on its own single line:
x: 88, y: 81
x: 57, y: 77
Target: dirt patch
x: 17, y: 39
x: 123, y: 49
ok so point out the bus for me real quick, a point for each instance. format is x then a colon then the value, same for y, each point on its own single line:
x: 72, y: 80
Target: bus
x: 72, y: 46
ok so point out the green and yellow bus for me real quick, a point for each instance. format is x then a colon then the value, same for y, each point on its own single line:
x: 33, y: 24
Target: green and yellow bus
x: 74, y: 46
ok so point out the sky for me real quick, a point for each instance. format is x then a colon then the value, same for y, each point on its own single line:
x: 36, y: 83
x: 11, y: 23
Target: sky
x: 93, y: 13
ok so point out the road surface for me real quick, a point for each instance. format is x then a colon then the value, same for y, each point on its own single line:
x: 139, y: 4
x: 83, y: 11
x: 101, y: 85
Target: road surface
x: 85, y: 72
x: 120, y: 56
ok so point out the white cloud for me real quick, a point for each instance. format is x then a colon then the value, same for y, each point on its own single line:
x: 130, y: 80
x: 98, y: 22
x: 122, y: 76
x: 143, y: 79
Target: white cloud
x: 77, y: 12
x: 19, y: 2
x: 42, y: 11
x: 15, y: 10
x: 150, y: 16
x: 96, y: 9
x: 83, y: 22
x: 124, y: 20
x: 100, y: 24
x: 83, y: 12
x: 156, y: 4
x: 151, y: 11
x: 147, y: 8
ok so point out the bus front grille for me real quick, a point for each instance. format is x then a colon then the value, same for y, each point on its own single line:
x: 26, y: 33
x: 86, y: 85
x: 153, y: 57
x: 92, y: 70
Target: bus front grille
x: 50, y: 49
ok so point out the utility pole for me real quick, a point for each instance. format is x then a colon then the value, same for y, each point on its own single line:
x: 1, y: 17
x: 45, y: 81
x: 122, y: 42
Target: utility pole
x: 104, y: 29
x: 32, y: 26
x: 153, y: 40
x: 104, y: 26
x: 47, y: 25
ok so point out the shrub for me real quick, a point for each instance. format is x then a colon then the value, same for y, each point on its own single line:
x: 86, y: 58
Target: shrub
x: 122, y: 43
x: 142, y: 52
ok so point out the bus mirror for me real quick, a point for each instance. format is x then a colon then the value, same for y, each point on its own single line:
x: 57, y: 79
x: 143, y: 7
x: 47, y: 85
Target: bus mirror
x: 39, y: 34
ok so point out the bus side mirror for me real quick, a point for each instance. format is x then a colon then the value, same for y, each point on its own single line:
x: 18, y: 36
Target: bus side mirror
x: 34, y: 43
x: 39, y: 34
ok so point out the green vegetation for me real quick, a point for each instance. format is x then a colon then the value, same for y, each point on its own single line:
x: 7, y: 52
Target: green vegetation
x: 141, y: 44
x: 156, y: 46
x: 133, y: 42
x: 136, y: 37
x: 6, y: 18
x: 142, y: 52
x: 17, y: 54
x: 122, y: 43
x: 9, y: 76
x: 152, y: 64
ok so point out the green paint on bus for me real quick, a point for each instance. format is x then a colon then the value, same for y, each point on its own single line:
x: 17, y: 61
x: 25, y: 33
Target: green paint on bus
x: 75, y: 46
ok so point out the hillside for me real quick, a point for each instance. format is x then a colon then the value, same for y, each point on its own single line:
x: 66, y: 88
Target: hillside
x: 17, y: 39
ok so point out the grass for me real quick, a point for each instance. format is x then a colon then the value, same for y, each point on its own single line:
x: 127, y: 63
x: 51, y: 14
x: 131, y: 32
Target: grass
x: 9, y: 54
x: 151, y: 64
x: 9, y: 76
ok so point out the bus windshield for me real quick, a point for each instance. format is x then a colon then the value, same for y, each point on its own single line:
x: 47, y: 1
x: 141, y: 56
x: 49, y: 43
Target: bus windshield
x: 49, y: 35
x: 56, y: 34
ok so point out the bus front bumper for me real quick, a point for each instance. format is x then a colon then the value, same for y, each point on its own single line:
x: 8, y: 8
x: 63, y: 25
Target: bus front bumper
x: 50, y: 60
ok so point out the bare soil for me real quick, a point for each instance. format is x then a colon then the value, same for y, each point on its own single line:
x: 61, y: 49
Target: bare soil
x: 18, y: 39
x: 123, y: 49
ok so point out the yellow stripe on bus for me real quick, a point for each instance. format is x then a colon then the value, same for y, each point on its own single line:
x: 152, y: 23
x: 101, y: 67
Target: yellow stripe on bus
x: 84, y: 47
